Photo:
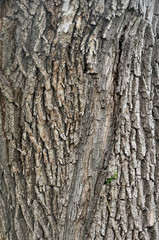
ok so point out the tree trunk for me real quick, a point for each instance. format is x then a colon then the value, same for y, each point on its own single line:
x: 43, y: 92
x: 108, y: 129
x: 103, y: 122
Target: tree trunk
x: 79, y: 89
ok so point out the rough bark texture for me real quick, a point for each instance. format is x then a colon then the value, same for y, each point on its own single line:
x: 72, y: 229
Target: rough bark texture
x: 79, y: 98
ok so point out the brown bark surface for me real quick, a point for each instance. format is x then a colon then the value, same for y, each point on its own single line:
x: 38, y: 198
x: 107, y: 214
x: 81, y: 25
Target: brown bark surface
x: 79, y: 99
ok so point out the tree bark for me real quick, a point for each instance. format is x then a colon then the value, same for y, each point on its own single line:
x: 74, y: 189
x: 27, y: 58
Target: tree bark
x: 79, y: 95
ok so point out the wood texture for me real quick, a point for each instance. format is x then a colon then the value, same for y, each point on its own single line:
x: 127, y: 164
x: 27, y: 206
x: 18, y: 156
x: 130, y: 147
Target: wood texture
x: 79, y: 96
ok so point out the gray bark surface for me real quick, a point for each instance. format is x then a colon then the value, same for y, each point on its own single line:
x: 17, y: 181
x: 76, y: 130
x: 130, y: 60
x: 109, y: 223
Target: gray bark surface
x: 79, y: 99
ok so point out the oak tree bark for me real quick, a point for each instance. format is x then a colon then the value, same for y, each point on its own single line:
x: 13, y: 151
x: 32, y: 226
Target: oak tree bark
x: 79, y: 89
